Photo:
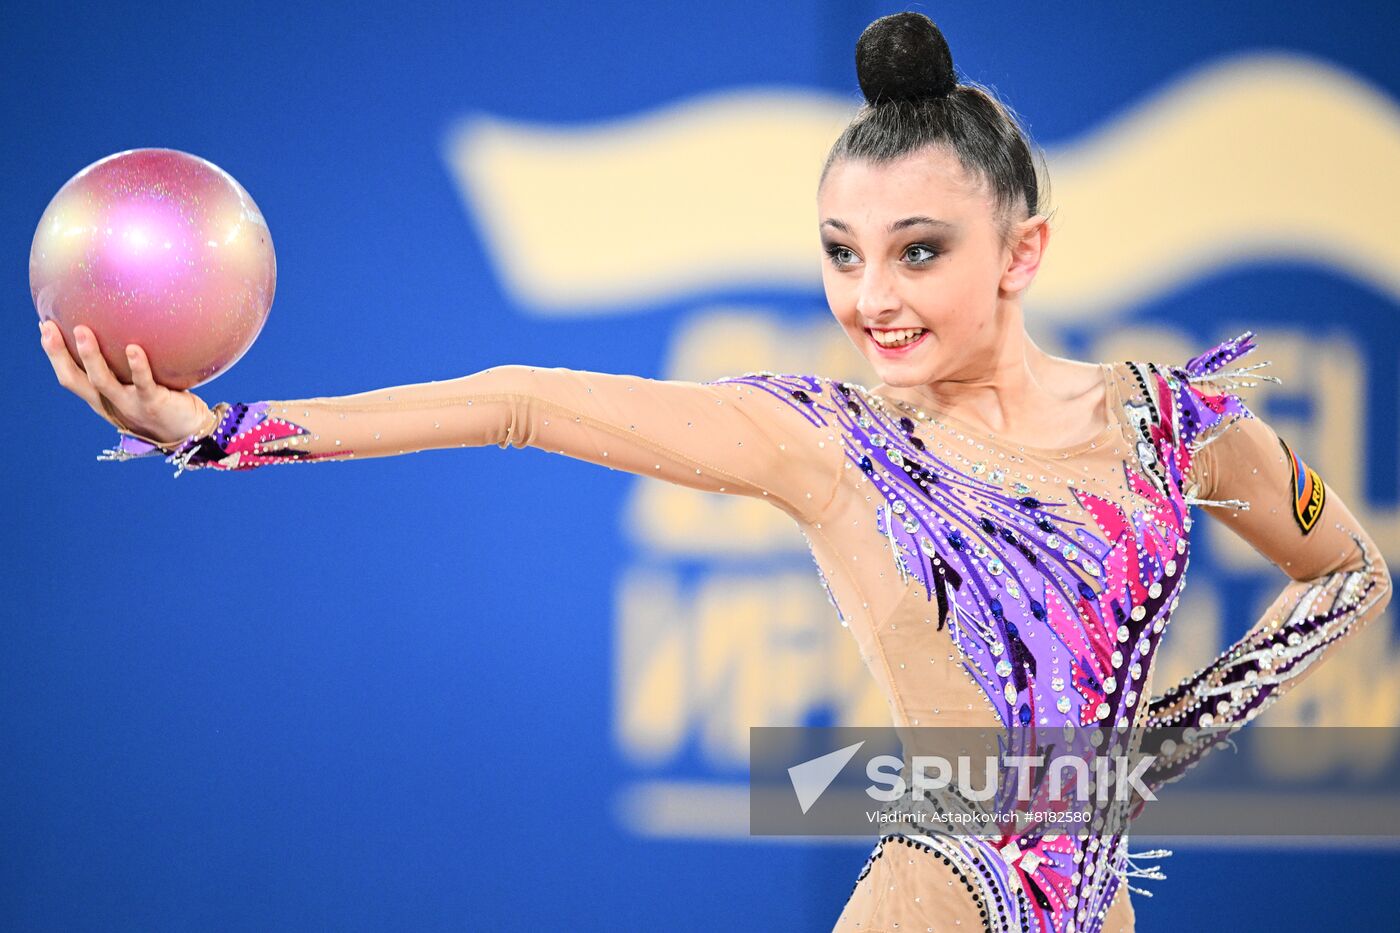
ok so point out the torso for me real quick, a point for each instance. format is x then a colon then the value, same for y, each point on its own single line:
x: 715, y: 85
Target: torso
x: 993, y: 584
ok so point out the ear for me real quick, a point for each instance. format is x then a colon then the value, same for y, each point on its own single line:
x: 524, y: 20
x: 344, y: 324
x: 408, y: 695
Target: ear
x: 1029, y: 240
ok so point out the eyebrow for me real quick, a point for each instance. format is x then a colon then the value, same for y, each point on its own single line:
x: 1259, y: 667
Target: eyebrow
x: 916, y: 221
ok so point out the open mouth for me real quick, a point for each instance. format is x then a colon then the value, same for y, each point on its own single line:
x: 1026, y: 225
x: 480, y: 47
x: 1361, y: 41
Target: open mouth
x: 898, y: 338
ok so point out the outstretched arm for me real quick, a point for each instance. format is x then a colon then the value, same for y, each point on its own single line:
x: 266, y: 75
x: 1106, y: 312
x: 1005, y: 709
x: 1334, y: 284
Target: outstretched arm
x: 740, y: 435
x: 728, y: 436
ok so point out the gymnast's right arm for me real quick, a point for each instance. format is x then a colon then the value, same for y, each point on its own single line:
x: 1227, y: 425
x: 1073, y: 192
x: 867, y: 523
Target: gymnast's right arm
x: 762, y: 436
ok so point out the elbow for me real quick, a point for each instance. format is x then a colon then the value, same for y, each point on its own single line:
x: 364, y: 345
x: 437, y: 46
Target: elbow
x: 1379, y: 571
x: 1366, y: 573
x: 1386, y: 584
x: 501, y: 404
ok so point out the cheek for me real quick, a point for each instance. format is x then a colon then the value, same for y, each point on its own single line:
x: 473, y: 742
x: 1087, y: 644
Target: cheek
x: 937, y: 302
x: 840, y: 298
x: 953, y: 302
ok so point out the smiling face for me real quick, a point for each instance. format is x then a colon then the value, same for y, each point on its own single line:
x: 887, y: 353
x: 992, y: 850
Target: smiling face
x: 915, y: 268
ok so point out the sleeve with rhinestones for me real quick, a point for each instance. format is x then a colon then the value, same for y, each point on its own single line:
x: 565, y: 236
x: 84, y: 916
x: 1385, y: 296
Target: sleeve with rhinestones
x: 762, y: 436
x: 1261, y: 489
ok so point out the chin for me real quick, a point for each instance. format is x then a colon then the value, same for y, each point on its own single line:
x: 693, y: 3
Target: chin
x: 901, y: 377
x: 906, y: 373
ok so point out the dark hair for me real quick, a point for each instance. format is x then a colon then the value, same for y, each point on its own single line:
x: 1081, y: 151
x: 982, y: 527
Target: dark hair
x: 914, y: 100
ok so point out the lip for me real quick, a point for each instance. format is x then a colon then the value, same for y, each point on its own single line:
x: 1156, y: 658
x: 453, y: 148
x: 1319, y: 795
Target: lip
x: 896, y: 351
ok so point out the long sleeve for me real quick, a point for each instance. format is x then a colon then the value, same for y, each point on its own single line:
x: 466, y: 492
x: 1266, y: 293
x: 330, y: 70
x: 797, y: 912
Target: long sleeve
x: 1339, y: 581
x: 1254, y: 483
x: 740, y: 435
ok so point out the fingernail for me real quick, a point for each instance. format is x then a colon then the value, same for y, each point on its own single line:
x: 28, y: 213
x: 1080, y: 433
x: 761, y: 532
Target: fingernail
x: 131, y: 352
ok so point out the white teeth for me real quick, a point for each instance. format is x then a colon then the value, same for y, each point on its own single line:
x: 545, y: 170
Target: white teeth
x: 896, y: 338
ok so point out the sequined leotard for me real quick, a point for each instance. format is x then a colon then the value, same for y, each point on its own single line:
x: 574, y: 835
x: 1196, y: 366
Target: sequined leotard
x: 985, y: 583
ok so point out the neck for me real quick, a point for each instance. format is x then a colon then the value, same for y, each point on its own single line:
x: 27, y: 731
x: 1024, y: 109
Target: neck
x: 1011, y: 384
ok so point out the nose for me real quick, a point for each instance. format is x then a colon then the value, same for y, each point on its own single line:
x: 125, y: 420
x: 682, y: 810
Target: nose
x: 876, y: 297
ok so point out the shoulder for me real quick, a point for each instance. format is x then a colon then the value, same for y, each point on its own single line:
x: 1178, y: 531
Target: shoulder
x: 816, y: 397
x: 1189, y: 401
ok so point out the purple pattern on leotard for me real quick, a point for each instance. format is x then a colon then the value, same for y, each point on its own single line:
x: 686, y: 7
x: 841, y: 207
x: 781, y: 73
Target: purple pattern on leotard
x: 1100, y: 581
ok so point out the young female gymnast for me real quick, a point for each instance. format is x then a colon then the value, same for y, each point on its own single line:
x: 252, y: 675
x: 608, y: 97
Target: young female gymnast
x: 1004, y: 532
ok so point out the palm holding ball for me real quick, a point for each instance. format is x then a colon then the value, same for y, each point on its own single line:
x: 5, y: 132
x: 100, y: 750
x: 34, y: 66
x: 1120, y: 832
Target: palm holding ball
x: 141, y: 407
x: 160, y: 252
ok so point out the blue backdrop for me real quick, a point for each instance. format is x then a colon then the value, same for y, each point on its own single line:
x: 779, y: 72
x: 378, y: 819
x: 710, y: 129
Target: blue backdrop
x: 432, y: 660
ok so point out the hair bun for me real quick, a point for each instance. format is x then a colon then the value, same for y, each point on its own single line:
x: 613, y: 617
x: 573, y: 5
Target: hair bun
x: 904, y: 56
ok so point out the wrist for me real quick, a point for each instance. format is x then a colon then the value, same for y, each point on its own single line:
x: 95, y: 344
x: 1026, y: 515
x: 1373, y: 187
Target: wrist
x: 208, y: 423
x: 204, y: 446
x: 203, y: 426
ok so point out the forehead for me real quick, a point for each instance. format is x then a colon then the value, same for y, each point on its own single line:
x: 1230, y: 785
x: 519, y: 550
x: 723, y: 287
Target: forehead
x: 931, y: 182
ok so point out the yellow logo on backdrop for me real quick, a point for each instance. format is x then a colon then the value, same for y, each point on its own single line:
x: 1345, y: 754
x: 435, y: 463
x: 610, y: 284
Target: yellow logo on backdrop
x: 1219, y: 167
x: 720, y: 193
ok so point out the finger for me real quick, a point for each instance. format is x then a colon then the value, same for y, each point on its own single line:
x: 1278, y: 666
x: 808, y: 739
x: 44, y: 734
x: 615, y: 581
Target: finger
x: 70, y: 375
x: 141, y: 375
x: 96, y: 365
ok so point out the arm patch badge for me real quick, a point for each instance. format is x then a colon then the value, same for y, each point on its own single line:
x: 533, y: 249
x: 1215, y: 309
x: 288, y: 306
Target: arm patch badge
x: 1309, y: 493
